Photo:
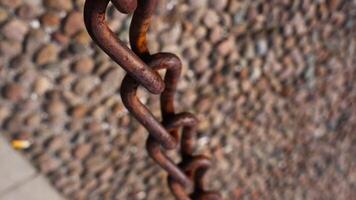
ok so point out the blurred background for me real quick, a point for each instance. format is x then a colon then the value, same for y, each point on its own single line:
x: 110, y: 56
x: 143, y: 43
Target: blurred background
x: 272, y: 82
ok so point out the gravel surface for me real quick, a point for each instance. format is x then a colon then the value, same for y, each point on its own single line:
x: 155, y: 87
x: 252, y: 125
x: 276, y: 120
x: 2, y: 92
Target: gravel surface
x: 272, y: 82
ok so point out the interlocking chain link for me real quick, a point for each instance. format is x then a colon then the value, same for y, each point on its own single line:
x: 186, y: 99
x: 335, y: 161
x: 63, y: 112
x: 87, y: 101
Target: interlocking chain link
x: 186, y: 180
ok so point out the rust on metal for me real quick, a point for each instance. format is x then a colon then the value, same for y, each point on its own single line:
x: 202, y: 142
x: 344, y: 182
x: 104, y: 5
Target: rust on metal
x: 186, y: 179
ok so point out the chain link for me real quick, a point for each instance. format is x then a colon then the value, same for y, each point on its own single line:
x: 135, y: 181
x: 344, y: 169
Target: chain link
x: 186, y: 180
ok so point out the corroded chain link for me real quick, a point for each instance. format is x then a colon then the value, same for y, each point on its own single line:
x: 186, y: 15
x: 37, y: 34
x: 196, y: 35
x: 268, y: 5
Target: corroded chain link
x: 185, y: 179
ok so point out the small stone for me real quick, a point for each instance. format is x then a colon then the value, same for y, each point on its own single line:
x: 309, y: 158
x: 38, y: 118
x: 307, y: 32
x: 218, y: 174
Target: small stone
x: 203, y: 104
x: 334, y: 4
x: 50, y: 19
x: 219, y: 5
x: 33, y: 120
x: 47, y: 54
x: 106, y: 174
x: 11, y: 3
x: 12, y: 123
x: 201, y: 64
x: 42, y: 85
x: 112, y: 77
x: 15, y: 30
x: 27, y: 76
x: 28, y: 105
x: 66, y: 80
x: 261, y: 47
x: 56, y: 107
x: 73, y: 23
x: 21, y: 62
x: 95, y: 163
x: 99, y: 112
x: 226, y: 46
x: 82, y: 150
x: 76, y: 48
x: 211, y: 19
x: 64, y: 154
x: 84, y: 66
x: 4, y: 112
x: 56, y: 122
x: 59, y: 5
x: 13, y: 92
x: 75, y: 125
x: 172, y: 35
x: 84, y: 85
x: 26, y: 11
x: 35, y: 39
x: 200, y: 32
x: 246, y: 85
x: 82, y: 37
x: 55, y: 143
x: 198, y: 3
x: 217, y: 79
x: 78, y: 111
x: 47, y: 163
x: 118, y: 108
x: 300, y: 25
x: 216, y: 34
x: 249, y: 51
x: 60, y: 38
x: 75, y: 167
x: 3, y: 14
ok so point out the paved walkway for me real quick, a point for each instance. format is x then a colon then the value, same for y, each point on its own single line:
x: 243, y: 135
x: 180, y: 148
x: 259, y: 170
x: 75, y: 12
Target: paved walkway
x: 19, y: 180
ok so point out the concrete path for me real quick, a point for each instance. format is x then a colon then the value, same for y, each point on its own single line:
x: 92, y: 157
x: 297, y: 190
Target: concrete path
x: 19, y: 180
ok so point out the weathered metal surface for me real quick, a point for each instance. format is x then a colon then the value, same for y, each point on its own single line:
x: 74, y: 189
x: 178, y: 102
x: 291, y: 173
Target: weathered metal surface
x: 186, y: 180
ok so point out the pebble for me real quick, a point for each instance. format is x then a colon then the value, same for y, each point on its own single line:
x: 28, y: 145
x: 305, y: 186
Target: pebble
x: 198, y: 3
x: 55, y: 143
x: 226, y: 46
x: 95, y: 163
x: 27, y: 11
x: 106, y: 174
x: 11, y: 3
x: 42, y: 85
x: 13, y: 92
x: 200, y: 32
x: 261, y: 47
x: 211, y: 19
x: 63, y: 5
x: 84, y: 66
x: 3, y: 14
x: 4, y: 112
x: 84, y: 85
x: 33, y: 120
x: 82, y: 37
x: 56, y: 107
x: 50, y: 19
x: 78, y: 111
x: 73, y: 23
x: 60, y: 38
x: 14, y: 30
x: 26, y: 76
x: 200, y: 65
x: 34, y: 40
x: 219, y: 5
x: 21, y: 62
x: 216, y: 34
x: 172, y: 35
x: 47, y: 54
x: 47, y: 163
x: 82, y: 150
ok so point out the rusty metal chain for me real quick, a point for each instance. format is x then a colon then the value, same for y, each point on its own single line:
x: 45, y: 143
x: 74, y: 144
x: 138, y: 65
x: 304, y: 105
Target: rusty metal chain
x: 186, y: 180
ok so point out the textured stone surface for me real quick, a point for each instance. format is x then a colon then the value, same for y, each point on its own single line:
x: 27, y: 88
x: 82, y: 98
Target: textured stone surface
x: 272, y: 83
